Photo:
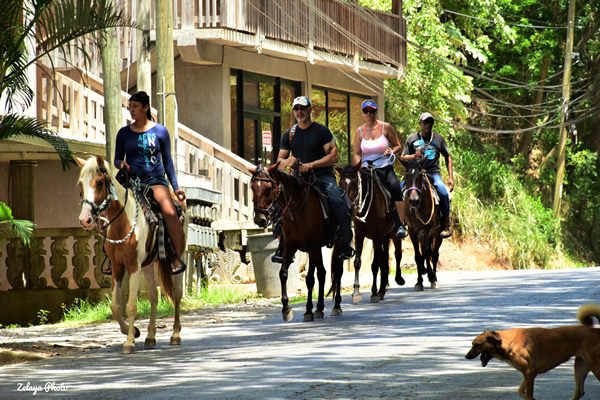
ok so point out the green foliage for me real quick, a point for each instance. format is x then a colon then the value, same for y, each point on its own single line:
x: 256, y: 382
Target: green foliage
x: 493, y: 205
x: 22, y: 228
x: 43, y: 316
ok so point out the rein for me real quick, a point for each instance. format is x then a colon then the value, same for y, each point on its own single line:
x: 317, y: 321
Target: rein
x: 105, y: 205
x: 370, y: 194
x: 432, y: 199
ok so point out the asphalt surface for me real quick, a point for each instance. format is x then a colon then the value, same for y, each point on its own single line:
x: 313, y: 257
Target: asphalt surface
x: 410, y: 346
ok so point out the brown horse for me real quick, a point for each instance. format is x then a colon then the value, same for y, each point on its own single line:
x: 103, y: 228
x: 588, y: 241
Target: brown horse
x: 114, y: 212
x: 303, y: 228
x: 372, y: 220
x: 423, y: 222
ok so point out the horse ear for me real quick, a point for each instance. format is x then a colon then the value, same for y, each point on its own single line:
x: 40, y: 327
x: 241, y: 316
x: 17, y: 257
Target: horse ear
x: 252, y: 170
x: 80, y: 161
x: 357, y: 166
x: 273, y: 168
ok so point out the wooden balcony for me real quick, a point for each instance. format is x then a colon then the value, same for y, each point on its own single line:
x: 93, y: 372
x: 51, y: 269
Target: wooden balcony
x: 333, y: 26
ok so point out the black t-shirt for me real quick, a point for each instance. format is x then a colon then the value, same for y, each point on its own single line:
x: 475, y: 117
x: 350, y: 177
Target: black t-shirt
x: 308, y: 144
x: 430, y: 149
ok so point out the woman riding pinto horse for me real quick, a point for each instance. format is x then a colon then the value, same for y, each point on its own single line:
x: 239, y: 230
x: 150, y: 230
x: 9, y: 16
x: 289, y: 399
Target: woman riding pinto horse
x: 114, y: 213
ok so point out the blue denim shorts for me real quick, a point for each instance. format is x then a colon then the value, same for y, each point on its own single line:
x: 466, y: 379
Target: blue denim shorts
x: 155, y: 180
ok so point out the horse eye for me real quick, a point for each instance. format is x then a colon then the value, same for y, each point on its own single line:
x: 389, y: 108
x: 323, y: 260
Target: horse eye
x: 99, y: 184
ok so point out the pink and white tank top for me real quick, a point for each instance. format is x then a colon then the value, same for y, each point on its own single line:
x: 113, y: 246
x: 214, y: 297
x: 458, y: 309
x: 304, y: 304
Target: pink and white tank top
x: 373, y: 149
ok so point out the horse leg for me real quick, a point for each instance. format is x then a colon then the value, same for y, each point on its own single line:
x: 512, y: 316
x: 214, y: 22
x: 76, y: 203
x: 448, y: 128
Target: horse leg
x: 358, y: 242
x: 427, y: 254
x: 375, y: 269
x: 384, y: 263
x: 133, y: 332
x: 153, y: 298
x: 288, y: 313
x: 310, y: 284
x: 321, y: 277
x: 398, y: 255
x: 116, y: 305
x: 177, y: 295
x: 337, y: 268
x: 435, y: 255
x: 419, y: 261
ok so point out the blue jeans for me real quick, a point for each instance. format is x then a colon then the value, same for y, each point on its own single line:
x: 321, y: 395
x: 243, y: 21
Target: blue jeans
x: 339, y: 208
x: 442, y: 190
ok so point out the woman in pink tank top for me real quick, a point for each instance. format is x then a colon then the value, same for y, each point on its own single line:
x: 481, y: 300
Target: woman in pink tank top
x: 376, y: 142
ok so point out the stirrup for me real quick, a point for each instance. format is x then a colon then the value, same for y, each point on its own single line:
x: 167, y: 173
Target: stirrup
x: 108, y: 269
x: 178, y: 268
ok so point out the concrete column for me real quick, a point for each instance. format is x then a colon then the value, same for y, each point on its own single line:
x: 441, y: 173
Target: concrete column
x: 21, y: 173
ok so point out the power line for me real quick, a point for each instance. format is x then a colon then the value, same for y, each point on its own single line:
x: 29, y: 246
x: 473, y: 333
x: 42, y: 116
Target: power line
x: 495, y: 22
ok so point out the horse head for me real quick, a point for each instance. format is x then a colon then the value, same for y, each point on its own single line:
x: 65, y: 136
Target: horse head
x: 264, y: 191
x: 95, y: 190
x: 414, y: 182
x: 349, y: 180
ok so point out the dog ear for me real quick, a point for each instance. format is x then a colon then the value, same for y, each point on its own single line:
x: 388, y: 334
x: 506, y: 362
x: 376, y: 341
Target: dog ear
x: 494, y: 337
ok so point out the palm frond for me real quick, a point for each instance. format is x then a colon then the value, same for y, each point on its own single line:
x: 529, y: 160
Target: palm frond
x: 12, y: 126
x: 22, y: 228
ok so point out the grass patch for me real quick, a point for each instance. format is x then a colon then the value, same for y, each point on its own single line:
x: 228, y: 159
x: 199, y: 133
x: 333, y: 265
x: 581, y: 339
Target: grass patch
x: 85, y: 312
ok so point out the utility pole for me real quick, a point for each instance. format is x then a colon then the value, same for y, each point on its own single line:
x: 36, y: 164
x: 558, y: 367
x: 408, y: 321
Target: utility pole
x: 144, y: 69
x: 566, y: 92
x: 113, y: 114
x: 165, y: 75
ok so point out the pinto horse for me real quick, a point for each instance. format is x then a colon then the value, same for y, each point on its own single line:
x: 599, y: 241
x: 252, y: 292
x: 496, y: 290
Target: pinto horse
x: 371, y: 220
x: 423, y: 222
x: 113, y: 212
x: 303, y: 228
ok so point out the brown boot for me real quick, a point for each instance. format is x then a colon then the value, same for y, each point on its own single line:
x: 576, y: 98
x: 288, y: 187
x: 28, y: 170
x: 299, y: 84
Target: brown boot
x: 446, y: 231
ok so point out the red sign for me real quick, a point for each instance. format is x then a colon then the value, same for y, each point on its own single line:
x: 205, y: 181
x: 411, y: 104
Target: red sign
x: 266, y: 140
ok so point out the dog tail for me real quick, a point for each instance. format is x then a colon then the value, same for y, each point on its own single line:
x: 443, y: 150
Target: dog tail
x: 586, y: 314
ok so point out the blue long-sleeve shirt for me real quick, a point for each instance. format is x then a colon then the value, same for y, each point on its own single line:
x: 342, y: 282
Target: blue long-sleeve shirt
x: 147, y: 153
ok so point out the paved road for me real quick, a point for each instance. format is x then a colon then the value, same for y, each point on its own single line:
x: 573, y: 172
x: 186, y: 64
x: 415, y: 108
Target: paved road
x: 410, y: 346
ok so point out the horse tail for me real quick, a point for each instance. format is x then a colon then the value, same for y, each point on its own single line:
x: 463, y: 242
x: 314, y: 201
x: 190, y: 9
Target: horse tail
x: 166, y: 279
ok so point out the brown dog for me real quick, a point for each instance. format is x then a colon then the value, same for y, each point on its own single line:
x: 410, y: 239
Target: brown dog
x: 534, y: 351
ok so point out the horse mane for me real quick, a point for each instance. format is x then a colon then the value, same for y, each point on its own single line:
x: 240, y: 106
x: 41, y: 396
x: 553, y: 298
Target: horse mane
x: 413, y: 163
x: 292, y: 181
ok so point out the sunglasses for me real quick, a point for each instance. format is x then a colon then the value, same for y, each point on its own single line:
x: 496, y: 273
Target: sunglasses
x: 298, y: 108
x: 369, y: 110
x: 428, y: 121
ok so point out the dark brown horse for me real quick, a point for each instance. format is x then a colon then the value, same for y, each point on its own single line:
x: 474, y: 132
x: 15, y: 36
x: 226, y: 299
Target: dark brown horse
x: 372, y: 220
x: 114, y: 213
x: 423, y: 222
x: 303, y: 228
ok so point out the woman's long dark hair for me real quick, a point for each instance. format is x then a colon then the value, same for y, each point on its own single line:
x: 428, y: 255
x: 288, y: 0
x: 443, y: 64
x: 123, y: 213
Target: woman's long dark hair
x: 143, y: 98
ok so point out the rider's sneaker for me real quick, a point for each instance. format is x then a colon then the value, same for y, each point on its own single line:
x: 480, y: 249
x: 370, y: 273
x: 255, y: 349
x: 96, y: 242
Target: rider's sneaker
x: 278, y: 256
x: 446, y: 233
x: 347, y: 252
x: 401, y: 232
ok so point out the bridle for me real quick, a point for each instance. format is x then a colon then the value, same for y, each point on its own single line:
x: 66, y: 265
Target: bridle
x: 424, y: 181
x: 268, y: 212
x: 98, y: 210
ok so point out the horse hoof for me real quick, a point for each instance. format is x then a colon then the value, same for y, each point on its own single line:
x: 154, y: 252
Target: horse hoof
x: 309, y: 317
x: 356, y: 299
x: 336, y: 312
x: 435, y: 285
x: 375, y: 298
x: 381, y: 296
x: 128, y: 349
x: 150, y: 342
x: 400, y: 281
x: 175, y: 340
x: 319, y: 314
x: 288, y: 316
x: 419, y: 287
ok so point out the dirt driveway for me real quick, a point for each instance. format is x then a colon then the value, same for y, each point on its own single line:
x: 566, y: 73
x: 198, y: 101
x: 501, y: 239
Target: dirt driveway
x: 410, y: 346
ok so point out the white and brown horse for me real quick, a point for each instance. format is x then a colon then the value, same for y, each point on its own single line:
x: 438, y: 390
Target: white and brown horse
x: 113, y: 211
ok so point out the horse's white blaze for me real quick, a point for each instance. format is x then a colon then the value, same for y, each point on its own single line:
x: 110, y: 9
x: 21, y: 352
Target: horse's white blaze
x: 348, y: 181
